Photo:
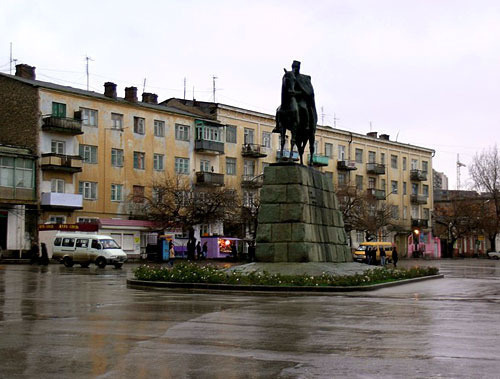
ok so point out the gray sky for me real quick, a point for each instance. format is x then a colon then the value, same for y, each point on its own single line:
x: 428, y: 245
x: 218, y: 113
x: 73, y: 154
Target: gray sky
x: 426, y: 71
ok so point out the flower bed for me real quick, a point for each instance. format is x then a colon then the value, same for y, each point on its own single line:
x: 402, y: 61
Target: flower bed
x: 191, y: 273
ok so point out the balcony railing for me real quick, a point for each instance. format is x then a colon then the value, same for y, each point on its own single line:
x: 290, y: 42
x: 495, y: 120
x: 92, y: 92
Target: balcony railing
x: 55, y: 200
x: 346, y: 165
x: 252, y: 181
x: 319, y: 160
x: 253, y: 150
x: 419, y: 223
x: 209, y: 179
x: 211, y: 147
x: 286, y: 154
x: 378, y: 194
x: 418, y: 175
x: 418, y: 199
x: 60, y: 162
x: 62, y: 125
x: 375, y: 168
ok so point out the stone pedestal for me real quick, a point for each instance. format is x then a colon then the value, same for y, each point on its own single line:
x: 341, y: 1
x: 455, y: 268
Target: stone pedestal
x: 299, y: 219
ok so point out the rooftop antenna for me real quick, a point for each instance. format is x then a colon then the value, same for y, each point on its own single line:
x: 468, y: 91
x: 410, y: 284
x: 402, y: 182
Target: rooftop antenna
x: 397, y: 135
x: 459, y: 165
x: 10, y: 70
x: 370, y: 126
x: 322, y: 116
x: 87, y: 58
x: 193, y: 93
x: 144, y: 86
x: 335, y: 119
x: 184, y: 88
x: 213, y: 81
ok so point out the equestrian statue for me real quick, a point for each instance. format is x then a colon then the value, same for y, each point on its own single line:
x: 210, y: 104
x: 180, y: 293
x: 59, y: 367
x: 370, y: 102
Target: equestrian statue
x: 297, y: 112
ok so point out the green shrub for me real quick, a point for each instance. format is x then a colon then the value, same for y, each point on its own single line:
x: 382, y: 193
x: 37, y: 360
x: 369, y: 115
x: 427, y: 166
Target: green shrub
x: 192, y: 273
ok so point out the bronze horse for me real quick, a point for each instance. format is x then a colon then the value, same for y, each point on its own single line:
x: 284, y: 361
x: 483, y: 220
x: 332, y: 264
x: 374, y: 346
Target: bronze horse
x: 293, y: 115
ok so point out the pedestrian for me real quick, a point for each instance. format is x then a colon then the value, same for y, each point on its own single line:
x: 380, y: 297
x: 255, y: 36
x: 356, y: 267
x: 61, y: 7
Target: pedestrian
x: 251, y: 251
x: 234, y: 252
x: 368, y: 255
x: 44, y: 259
x: 205, y: 250
x: 198, y: 251
x: 191, y: 245
x: 171, y: 253
x: 34, y: 253
x: 382, y: 256
x: 395, y: 256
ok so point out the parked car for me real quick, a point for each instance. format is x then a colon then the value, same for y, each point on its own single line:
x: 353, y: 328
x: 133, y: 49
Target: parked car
x: 494, y: 254
x: 84, y: 249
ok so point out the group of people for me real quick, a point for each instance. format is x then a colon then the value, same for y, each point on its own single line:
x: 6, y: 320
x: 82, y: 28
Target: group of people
x: 36, y: 257
x: 371, y: 256
x: 195, y: 251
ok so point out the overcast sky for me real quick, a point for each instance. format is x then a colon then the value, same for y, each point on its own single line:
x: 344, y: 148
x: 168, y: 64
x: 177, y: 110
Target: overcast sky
x: 426, y: 71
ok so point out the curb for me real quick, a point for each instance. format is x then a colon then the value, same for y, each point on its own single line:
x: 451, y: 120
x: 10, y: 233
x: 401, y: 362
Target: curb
x: 141, y: 284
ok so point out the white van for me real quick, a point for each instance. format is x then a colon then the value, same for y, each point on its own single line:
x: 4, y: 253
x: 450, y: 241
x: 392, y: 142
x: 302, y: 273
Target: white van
x: 71, y: 248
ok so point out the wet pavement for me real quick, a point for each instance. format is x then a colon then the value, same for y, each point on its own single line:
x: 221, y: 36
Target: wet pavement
x: 58, y: 322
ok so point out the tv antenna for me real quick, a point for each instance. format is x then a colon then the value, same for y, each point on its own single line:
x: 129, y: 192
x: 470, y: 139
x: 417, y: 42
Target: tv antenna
x: 459, y: 165
x: 213, y: 82
x: 335, y: 119
x: 87, y: 59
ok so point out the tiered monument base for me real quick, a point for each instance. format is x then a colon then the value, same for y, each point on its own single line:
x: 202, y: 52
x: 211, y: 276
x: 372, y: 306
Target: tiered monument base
x: 299, y: 219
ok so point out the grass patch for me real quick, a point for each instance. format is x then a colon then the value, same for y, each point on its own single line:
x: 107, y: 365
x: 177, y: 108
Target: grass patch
x: 191, y: 273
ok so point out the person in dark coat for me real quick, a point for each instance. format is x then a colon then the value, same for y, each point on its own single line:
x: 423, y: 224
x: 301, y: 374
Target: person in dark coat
x: 198, y: 251
x: 34, y: 253
x: 44, y: 259
x: 369, y: 255
x: 251, y: 252
x: 234, y: 252
x: 395, y: 256
x: 205, y: 250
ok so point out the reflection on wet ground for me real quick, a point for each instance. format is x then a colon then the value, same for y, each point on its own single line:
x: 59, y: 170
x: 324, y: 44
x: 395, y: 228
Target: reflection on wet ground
x: 76, y: 322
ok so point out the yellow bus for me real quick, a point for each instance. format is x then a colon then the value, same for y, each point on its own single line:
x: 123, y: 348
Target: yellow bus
x: 359, y: 254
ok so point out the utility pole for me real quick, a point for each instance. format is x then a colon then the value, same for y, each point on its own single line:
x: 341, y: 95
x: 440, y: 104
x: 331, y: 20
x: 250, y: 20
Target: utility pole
x: 459, y: 165
x: 213, y: 81
x: 87, y: 58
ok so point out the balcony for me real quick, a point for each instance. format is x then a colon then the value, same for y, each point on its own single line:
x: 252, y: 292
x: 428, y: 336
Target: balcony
x: 252, y: 181
x: 418, y: 175
x: 286, y: 154
x: 62, y: 125
x: 209, y: 147
x: 375, y: 168
x: 54, y: 200
x: 209, y: 179
x: 346, y: 165
x: 60, y: 162
x: 252, y: 150
x: 319, y: 160
x: 376, y: 193
x: 418, y: 199
x: 419, y: 223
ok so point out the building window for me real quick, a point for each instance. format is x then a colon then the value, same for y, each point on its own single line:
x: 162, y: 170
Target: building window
x: 382, y: 158
x: 395, y: 212
x: 266, y: 139
x: 359, y: 155
x: 138, y: 192
x: 231, y: 166
x: 404, y: 188
x: 59, y: 220
x: 181, y: 132
x: 249, y: 199
x: 394, y: 161
x: 405, y: 212
x: 329, y: 175
x: 88, y: 190
x: 116, y: 192
x: 231, y: 133
x: 204, y: 165
x: 16, y: 172
x: 359, y: 182
x: 371, y: 157
x: 341, y: 153
x: 425, y: 189
x: 87, y: 220
x: 117, y: 157
x: 404, y: 163
x: 57, y: 147
x: 341, y: 179
x: 89, y: 117
x: 139, y: 125
x: 209, y: 133
x: 139, y: 160
x: 158, y: 162
x: 88, y: 153
x: 159, y: 128
x: 394, y: 186
x: 414, y: 212
x: 425, y: 213
x: 425, y: 166
x: 372, y: 182
x: 249, y: 133
x: 329, y: 150
x: 182, y: 165
x: 57, y: 185
x: 414, y: 164
x: 360, y: 236
x: 249, y: 167
x: 414, y: 188
x: 117, y: 121
x: 58, y: 109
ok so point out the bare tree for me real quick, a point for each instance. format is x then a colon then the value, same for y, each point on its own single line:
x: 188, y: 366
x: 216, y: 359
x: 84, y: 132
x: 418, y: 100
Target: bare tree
x: 485, y: 172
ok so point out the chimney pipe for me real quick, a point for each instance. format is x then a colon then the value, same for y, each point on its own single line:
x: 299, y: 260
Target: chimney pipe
x: 372, y: 134
x: 131, y: 94
x: 150, y: 98
x: 384, y: 137
x: 25, y: 71
x: 110, y: 90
